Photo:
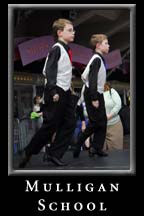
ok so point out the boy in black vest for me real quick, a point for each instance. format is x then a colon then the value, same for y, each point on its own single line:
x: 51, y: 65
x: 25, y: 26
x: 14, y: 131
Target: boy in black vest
x: 94, y: 77
x: 58, y: 109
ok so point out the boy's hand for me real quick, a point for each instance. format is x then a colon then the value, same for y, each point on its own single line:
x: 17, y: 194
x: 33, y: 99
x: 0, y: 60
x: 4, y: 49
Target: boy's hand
x: 95, y: 103
x: 55, y: 98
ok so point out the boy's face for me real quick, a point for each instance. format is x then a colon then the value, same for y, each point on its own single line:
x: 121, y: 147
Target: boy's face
x: 67, y: 34
x: 103, y: 46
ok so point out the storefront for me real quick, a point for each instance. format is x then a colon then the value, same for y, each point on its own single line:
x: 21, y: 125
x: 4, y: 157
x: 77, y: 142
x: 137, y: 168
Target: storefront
x: 26, y: 86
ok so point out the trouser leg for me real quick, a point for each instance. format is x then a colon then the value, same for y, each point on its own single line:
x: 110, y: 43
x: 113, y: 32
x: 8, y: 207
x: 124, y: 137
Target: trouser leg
x: 97, y: 123
x: 66, y: 129
x: 40, y: 139
x: 52, y: 117
x: 99, y: 138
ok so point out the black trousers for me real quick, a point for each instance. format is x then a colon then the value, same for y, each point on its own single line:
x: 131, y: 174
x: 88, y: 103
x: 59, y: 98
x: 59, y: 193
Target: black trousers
x: 58, y: 117
x: 97, y: 122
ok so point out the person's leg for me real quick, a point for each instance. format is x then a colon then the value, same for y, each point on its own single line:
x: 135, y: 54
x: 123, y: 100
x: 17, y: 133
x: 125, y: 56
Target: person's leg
x: 97, y: 124
x: 82, y: 137
x: 100, y: 130
x: 40, y: 139
x: 87, y: 142
x: 115, y: 137
x: 66, y: 129
x: 119, y: 136
x: 90, y: 126
x: 77, y: 131
x: 98, y: 142
x: 52, y: 118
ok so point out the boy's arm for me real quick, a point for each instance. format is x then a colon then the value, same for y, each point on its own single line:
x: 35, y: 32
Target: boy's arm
x: 93, y: 76
x: 51, y: 69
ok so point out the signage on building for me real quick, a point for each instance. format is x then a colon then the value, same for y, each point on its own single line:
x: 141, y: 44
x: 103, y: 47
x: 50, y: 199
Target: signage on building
x: 26, y: 78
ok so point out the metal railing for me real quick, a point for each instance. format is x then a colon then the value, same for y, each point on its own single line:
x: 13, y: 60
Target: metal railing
x: 24, y: 129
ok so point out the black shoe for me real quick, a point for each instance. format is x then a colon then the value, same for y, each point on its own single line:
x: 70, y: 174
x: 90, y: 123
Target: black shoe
x: 101, y: 153
x: 76, y: 152
x: 56, y: 161
x: 92, y: 152
x: 24, y: 161
x: 46, y: 157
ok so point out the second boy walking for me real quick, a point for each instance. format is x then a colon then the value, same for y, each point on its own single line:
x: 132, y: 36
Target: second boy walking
x: 94, y: 77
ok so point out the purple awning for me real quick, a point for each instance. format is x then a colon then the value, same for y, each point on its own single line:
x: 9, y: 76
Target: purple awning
x: 38, y: 48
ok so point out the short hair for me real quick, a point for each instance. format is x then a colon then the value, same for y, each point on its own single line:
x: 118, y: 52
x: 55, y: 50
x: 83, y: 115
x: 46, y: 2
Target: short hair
x: 97, y: 38
x: 59, y: 24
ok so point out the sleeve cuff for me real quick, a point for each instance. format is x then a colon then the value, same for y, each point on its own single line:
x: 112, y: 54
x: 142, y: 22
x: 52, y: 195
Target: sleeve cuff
x: 94, y: 97
x: 53, y: 92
